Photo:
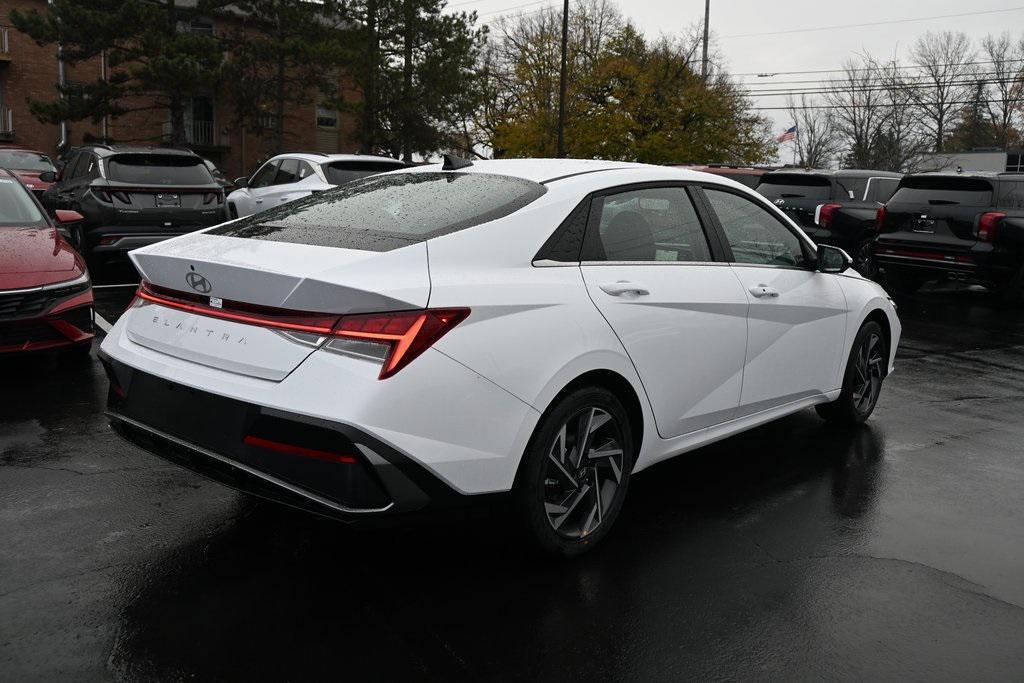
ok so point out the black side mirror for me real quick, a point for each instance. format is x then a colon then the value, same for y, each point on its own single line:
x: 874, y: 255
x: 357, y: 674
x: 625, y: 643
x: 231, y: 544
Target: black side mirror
x: 48, y: 177
x: 241, y: 182
x: 833, y: 259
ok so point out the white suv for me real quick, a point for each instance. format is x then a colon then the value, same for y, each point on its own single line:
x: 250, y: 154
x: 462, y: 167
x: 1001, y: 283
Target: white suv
x: 300, y: 174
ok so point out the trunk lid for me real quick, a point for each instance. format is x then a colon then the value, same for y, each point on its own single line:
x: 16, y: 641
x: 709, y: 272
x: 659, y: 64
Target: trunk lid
x: 937, y: 211
x: 266, y: 279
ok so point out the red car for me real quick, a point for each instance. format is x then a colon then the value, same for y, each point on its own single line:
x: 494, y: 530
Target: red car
x: 45, y: 292
x: 27, y: 165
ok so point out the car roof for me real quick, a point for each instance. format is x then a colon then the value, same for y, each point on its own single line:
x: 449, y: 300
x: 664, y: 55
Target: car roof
x: 841, y: 173
x: 324, y: 158
x: 16, y: 148
x: 548, y: 170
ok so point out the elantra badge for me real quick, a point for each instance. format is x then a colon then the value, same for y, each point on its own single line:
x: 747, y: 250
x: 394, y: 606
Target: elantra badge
x: 198, y: 282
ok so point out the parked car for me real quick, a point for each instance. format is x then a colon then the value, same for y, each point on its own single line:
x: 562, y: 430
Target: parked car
x: 27, y: 165
x: 287, y: 177
x: 834, y: 207
x: 134, y: 196
x: 572, y: 322
x: 955, y: 226
x: 45, y: 291
x: 746, y: 175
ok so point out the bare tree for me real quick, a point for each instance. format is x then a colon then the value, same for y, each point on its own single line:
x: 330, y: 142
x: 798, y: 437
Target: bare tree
x: 1005, y: 83
x: 946, y: 80
x: 859, y: 107
x: 817, y: 143
x: 902, y: 140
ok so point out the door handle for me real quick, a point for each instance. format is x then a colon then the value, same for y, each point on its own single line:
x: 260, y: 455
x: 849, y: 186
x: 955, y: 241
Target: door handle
x: 761, y: 291
x: 624, y: 287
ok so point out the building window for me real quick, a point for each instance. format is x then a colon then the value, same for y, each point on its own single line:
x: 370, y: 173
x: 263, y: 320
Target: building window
x: 1015, y: 162
x: 200, y: 27
x: 326, y: 118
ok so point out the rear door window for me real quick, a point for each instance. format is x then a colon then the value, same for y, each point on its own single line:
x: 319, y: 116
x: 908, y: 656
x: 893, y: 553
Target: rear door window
x: 651, y: 224
x: 943, y: 191
x: 794, y: 186
x: 881, y: 189
x: 390, y: 211
x: 158, y: 169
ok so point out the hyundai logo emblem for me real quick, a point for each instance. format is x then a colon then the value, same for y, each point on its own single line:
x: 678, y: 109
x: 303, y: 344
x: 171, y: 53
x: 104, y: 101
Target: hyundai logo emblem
x: 780, y: 202
x: 198, y: 283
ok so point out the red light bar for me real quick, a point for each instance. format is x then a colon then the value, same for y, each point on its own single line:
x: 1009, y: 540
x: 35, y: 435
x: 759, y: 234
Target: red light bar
x: 292, y: 449
x: 247, y: 314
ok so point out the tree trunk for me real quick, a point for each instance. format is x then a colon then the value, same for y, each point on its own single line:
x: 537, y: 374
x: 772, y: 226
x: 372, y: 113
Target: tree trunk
x: 279, y: 93
x: 408, y: 38
x: 369, y: 123
x: 176, y: 108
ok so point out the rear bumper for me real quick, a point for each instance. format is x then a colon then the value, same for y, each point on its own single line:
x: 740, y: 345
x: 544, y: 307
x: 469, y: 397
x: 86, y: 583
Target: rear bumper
x: 980, y: 264
x: 206, y: 433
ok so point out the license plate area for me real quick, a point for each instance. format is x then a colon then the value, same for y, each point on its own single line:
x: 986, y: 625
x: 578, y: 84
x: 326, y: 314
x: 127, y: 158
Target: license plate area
x: 165, y: 199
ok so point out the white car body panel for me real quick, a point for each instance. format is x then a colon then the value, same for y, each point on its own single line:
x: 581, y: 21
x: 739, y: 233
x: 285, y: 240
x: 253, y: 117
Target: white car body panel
x: 467, y: 407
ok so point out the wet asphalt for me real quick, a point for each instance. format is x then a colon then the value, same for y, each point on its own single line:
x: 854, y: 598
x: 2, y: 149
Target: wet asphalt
x: 793, y: 551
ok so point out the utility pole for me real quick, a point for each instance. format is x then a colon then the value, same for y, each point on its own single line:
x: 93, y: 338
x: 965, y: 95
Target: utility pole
x: 561, y: 81
x: 704, y: 61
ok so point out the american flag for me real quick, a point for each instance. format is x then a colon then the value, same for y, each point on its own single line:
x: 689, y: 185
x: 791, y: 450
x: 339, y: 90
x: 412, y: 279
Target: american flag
x: 788, y: 135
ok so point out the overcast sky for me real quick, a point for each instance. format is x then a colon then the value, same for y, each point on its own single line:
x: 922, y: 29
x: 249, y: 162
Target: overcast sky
x: 733, y: 20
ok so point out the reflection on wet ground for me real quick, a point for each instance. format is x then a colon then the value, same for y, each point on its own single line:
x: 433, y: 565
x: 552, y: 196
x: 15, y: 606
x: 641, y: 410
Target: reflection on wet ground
x: 791, y: 551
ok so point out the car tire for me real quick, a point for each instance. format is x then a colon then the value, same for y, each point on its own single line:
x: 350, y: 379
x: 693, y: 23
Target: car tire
x: 864, y: 258
x: 862, y: 380
x: 903, y: 281
x: 565, y: 503
x: 1012, y: 290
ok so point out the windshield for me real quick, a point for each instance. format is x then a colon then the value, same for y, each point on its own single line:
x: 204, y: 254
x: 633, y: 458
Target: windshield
x: 25, y: 161
x: 341, y: 172
x: 16, y: 205
x: 794, y: 186
x: 158, y: 169
x: 943, y: 191
x: 390, y: 211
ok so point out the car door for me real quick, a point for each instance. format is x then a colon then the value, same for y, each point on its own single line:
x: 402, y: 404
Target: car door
x: 250, y: 199
x: 796, y: 325
x: 63, y: 190
x: 288, y: 183
x: 650, y: 269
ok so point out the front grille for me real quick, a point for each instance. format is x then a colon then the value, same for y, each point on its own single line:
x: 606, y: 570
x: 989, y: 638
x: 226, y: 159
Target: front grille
x: 35, y: 302
x: 32, y: 334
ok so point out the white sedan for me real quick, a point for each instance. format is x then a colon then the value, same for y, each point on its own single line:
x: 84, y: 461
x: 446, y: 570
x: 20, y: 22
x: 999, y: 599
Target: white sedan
x: 535, y: 329
x: 287, y: 177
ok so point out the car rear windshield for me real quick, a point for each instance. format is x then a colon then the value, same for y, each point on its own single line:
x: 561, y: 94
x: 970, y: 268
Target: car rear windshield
x: 939, y: 190
x: 341, y: 172
x: 16, y: 205
x: 794, y: 186
x: 158, y: 169
x: 25, y: 161
x: 386, y: 212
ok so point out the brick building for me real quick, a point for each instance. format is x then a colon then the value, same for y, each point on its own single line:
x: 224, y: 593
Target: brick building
x: 28, y: 70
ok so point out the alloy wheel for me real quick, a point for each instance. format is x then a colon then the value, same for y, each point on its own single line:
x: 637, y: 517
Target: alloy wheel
x: 584, y: 473
x: 864, y: 260
x: 867, y: 381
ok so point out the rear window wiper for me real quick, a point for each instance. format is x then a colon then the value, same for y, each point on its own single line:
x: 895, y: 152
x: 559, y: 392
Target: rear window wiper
x: 942, y: 202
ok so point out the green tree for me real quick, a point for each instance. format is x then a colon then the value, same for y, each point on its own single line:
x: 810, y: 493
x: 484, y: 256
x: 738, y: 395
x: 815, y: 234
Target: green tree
x: 415, y: 66
x: 283, y: 53
x: 153, y: 61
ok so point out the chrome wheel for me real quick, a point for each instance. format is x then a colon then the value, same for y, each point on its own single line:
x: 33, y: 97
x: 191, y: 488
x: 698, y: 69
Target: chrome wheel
x: 868, y: 372
x: 584, y: 472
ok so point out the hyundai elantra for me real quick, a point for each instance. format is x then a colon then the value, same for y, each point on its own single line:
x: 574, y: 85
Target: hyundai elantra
x: 536, y: 329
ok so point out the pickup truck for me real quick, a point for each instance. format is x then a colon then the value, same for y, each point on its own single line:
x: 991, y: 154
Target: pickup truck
x: 966, y: 227
x: 839, y: 208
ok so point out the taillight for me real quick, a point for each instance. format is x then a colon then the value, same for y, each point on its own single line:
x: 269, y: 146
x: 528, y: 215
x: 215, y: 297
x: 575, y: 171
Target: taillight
x: 987, y: 225
x: 105, y: 195
x: 826, y: 214
x: 102, y: 195
x: 880, y: 218
x: 394, y: 338
x: 211, y: 197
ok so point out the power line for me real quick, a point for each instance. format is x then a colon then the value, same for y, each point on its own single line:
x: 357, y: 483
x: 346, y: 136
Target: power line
x: 879, y: 87
x: 808, y: 107
x: 515, y: 7
x: 875, y: 23
x: 861, y: 69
